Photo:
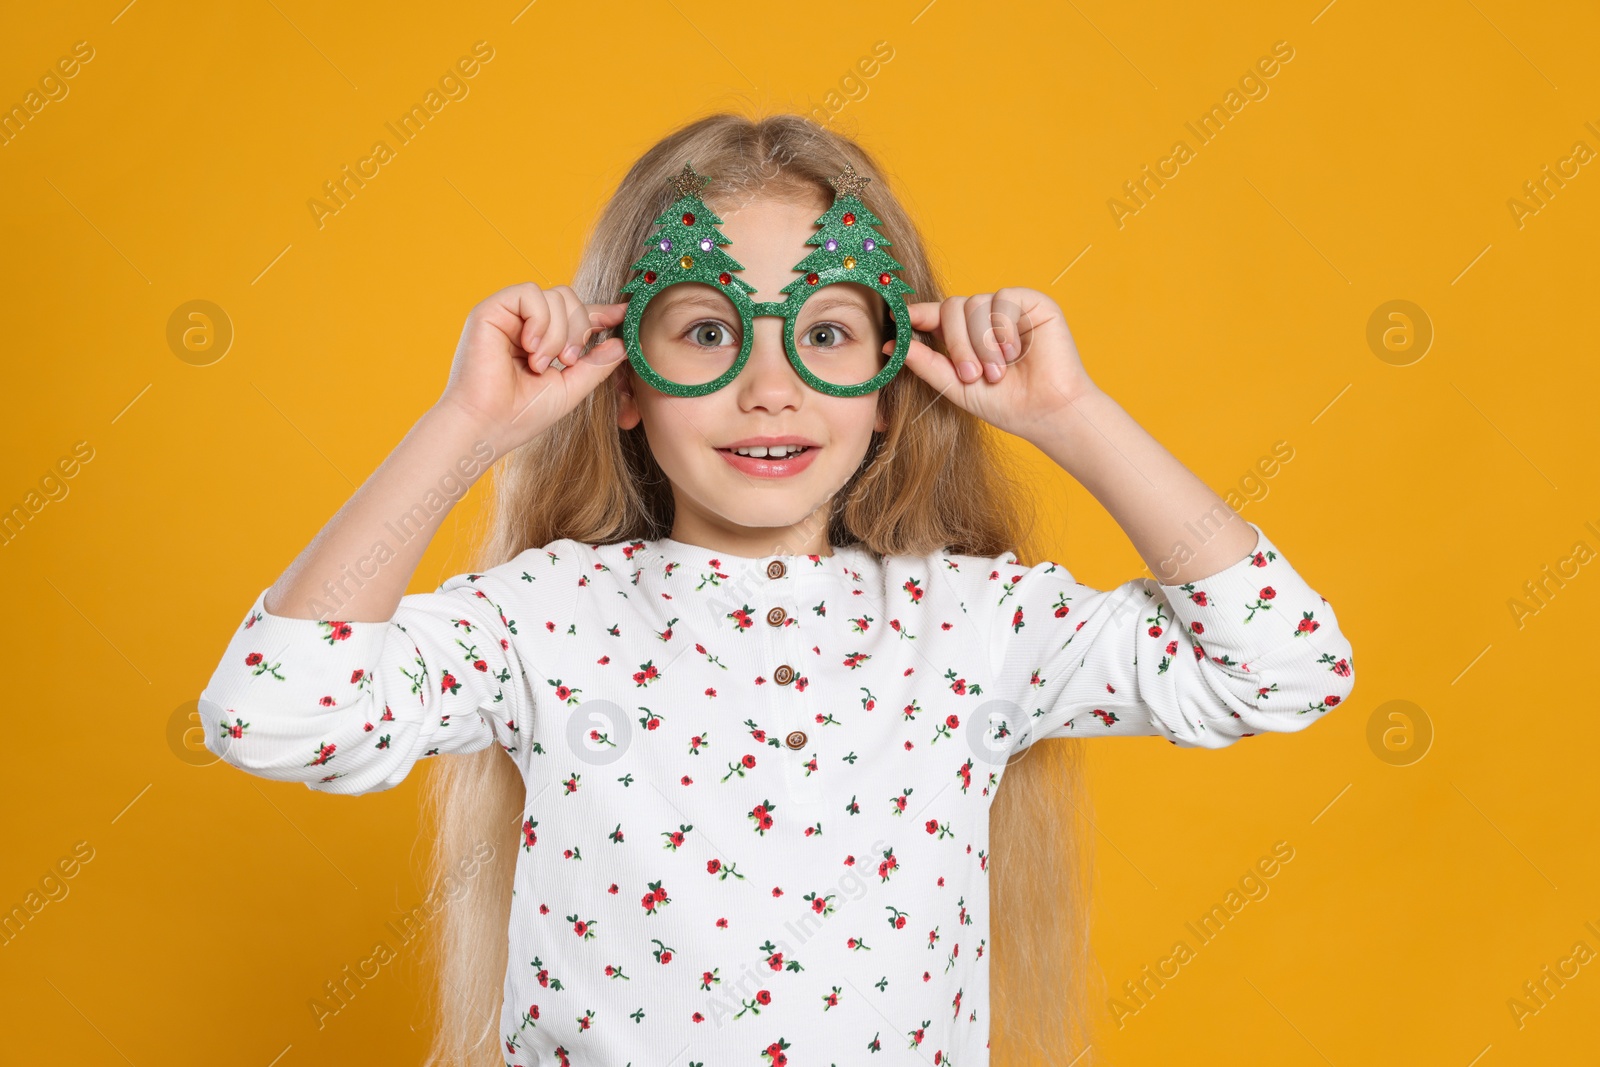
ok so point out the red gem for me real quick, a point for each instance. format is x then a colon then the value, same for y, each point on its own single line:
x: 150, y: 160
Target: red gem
x: 688, y: 218
x: 724, y: 277
x: 849, y: 218
x: 811, y: 279
x: 884, y: 278
x: 650, y: 277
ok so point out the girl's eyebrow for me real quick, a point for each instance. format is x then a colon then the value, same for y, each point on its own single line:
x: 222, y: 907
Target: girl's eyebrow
x: 829, y: 303
x: 820, y: 304
x: 697, y: 299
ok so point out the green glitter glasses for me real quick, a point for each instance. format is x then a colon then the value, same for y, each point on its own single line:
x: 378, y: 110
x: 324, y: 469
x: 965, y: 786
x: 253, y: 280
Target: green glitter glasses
x: 696, y: 315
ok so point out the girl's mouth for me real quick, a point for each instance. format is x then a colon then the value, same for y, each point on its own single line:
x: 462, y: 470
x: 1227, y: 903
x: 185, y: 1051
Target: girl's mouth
x: 770, y: 466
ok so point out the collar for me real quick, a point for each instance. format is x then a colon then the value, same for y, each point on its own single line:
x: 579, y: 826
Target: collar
x: 664, y: 555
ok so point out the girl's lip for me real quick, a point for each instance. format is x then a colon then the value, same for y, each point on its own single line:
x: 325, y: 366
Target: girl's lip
x: 767, y: 467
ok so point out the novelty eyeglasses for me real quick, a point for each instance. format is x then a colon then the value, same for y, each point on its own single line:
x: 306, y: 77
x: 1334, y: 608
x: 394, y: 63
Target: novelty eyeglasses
x: 690, y: 351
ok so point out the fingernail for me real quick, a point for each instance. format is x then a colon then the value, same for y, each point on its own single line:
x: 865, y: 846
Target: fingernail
x: 1010, y: 351
x: 533, y: 345
x: 569, y: 355
x: 968, y: 371
x: 991, y: 371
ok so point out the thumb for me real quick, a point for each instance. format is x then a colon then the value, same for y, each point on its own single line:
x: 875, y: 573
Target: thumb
x: 606, y: 353
x: 934, y: 368
x: 591, y: 368
x: 607, y: 316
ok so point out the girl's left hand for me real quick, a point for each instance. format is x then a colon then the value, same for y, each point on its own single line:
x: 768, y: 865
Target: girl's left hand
x: 1024, y: 366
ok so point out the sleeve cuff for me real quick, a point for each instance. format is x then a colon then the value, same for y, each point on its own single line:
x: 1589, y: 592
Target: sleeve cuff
x: 1249, y: 609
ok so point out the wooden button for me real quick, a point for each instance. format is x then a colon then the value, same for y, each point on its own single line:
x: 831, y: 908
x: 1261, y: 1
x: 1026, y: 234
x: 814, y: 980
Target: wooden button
x: 795, y: 740
x: 776, y: 616
x: 776, y: 569
x: 783, y: 675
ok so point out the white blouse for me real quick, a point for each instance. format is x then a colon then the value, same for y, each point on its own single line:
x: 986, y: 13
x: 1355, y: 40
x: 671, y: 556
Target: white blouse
x: 758, y: 789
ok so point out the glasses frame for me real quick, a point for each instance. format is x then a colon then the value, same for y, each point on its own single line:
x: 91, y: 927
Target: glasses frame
x: 685, y: 213
x: 749, y: 310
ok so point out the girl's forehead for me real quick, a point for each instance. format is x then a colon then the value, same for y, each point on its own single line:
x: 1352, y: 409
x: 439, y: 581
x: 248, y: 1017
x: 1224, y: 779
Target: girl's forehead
x: 788, y: 222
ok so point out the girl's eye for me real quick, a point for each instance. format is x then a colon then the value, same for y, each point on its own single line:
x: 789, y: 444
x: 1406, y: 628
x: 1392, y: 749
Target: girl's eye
x: 826, y: 335
x: 709, y: 334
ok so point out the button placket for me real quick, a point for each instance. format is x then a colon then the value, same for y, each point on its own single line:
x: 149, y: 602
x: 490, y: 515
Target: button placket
x: 796, y: 745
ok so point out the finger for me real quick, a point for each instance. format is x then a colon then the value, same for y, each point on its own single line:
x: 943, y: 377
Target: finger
x: 591, y: 368
x: 924, y: 316
x: 952, y: 315
x: 607, y: 316
x: 577, y: 313
x: 1006, y: 318
x: 532, y: 312
x: 980, y: 327
x: 934, y: 368
x: 602, y: 317
x: 981, y: 332
x: 554, y: 340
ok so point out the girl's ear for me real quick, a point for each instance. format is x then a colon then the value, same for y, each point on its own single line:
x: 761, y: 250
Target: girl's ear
x: 628, y: 415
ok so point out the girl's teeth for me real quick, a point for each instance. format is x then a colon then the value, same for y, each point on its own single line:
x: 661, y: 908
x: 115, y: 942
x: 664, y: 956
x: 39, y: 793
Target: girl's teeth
x: 778, y: 451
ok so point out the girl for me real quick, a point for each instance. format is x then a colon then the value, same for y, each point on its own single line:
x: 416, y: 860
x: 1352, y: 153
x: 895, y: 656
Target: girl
x: 735, y: 690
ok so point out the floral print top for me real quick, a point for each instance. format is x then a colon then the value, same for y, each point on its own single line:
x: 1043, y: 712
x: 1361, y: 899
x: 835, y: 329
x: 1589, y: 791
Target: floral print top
x: 758, y: 789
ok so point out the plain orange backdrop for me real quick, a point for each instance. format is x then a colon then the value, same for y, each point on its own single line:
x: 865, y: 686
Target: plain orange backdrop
x: 1230, y: 312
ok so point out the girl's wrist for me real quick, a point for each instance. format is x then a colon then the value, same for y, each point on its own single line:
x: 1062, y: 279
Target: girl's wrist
x: 1061, y: 429
x: 460, y: 420
x: 459, y: 428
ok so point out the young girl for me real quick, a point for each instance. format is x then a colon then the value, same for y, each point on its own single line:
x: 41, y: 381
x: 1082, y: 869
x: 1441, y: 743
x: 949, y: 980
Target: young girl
x: 736, y: 688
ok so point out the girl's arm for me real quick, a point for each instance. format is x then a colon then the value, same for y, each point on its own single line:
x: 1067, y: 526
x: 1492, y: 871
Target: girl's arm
x: 1227, y: 641
x: 1249, y: 649
x: 338, y: 678
x: 343, y: 573
x: 500, y: 396
x: 1180, y: 527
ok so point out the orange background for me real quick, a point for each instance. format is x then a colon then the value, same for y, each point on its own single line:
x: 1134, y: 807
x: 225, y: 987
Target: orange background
x: 1228, y: 314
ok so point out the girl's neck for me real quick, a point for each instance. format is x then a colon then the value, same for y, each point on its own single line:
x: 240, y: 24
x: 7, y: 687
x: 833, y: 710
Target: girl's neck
x: 752, y: 542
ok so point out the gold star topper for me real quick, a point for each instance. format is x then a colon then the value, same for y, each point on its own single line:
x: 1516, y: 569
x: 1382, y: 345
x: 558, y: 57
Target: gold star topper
x: 848, y: 183
x: 688, y: 183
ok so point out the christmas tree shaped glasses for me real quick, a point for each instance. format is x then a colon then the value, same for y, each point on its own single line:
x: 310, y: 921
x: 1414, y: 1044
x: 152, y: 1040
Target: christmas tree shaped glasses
x: 689, y: 325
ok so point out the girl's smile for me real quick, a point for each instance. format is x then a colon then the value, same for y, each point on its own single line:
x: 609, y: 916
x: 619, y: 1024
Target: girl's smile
x: 776, y: 457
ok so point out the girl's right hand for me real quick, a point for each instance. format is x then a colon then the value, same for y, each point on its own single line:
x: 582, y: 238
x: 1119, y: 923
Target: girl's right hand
x: 502, y: 376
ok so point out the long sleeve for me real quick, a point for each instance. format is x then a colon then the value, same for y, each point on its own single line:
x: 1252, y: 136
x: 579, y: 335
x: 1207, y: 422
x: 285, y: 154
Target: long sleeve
x: 1247, y: 650
x: 350, y: 707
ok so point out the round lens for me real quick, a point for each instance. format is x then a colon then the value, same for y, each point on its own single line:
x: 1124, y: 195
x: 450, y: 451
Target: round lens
x: 840, y: 333
x: 690, y: 333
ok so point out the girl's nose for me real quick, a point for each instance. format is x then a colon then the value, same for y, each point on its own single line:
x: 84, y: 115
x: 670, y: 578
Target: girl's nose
x: 768, y: 378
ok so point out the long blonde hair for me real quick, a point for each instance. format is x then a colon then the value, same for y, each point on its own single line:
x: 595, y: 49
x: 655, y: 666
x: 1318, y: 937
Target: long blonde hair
x: 934, y: 479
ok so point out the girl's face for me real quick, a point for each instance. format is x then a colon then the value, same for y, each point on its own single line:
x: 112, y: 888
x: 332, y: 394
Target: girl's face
x: 753, y: 506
